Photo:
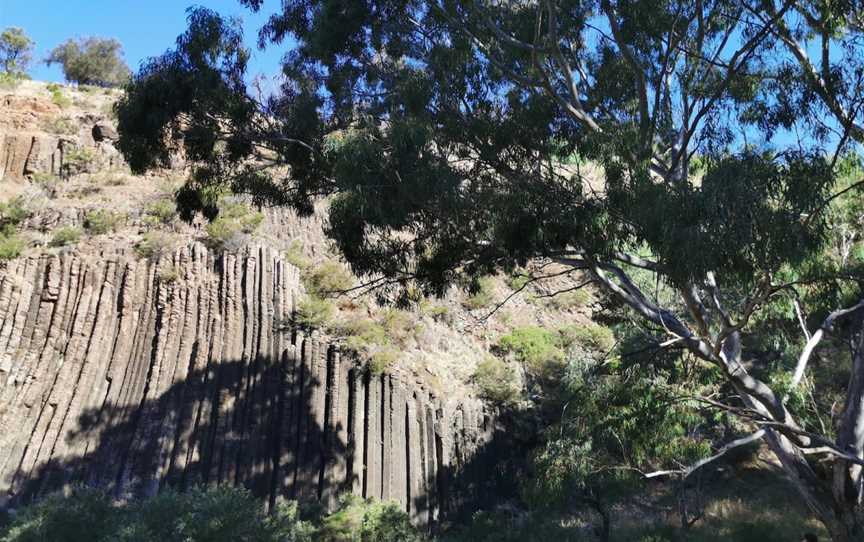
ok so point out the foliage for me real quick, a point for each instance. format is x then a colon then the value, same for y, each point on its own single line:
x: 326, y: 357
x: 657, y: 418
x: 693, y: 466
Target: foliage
x: 155, y: 244
x: 437, y: 131
x: 314, y: 312
x: 60, y: 125
x: 65, y: 236
x: 103, y: 221
x: 11, y: 244
x: 616, y: 404
x: 497, y: 381
x: 295, y: 256
x: 13, y: 212
x: 327, y: 279
x: 382, y: 359
x: 168, y: 274
x: 233, y: 221
x: 481, y: 294
x: 77, y: 160
x: 532, y: 346
x: 358, y: 520
x: 91, y: 61
x: 162, y: 211
x: 16, y: 50
x: 10, y: 81
x: 212, y: 515
x: 590, y: 335
x: 57, y: 95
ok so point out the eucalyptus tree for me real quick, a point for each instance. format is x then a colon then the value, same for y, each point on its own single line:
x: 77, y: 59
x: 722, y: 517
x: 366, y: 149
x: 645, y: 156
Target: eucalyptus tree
x: 708, y: 142
x: 16, y: 50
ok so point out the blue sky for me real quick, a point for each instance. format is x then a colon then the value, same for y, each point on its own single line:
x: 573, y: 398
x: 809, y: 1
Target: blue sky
x: 145, y: 27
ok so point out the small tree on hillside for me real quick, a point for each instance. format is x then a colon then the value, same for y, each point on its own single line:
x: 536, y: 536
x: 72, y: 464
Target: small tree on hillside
x: 16, y: 50
x: 91, y: 61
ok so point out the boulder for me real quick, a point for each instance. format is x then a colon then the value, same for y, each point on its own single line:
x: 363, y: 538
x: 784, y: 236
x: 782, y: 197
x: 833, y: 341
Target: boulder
x: 104, y: 132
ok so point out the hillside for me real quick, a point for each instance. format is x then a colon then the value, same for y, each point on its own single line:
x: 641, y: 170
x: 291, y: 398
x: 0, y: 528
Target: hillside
x: 139, y: 351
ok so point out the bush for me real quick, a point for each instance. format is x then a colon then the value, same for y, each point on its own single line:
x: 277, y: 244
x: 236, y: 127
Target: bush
x: 532, y: 345
x: 295, y: 256
x: 13, y: 212
x: 233, y: 220
x: 518, y: 280
x: 314, y: 312
x: 11, y: 245
x: 482, y: 294
x: 497, y: 381
x: 10, y: 81
x: 102, y: 221
x: 16, y: 50
x: 569, y: 300
x: 168, y: 274
x: 154, y: 244
x: 382, y: 359
x: 91, y: 61
x: 57, y: 96
x: 85, y: 515
x: 162, y: 211
x: 65, y: 236
x: 47, y: 182
x: 592, y: 336
x: 326, y: 279
x: 368, y: 521
x: 60, y: 125
x: 77, y: 160
x: 220, y: 514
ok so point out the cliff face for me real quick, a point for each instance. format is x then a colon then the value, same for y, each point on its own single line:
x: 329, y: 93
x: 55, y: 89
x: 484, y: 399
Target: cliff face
x: 115, y: 377
x: 136, y: 374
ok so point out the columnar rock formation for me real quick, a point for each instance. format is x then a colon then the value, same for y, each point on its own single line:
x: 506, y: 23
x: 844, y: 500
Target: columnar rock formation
x: 134, y: 375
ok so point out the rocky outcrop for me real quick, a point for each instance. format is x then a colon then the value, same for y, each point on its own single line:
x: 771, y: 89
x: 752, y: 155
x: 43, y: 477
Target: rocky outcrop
x: 134, y: 375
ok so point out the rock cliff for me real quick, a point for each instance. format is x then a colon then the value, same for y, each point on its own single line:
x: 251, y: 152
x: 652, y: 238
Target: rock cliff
x: 135, y: 374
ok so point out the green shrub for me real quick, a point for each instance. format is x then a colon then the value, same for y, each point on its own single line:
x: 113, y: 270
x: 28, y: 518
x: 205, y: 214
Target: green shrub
x: 591, y: 336
x: 11, y: 245
x: 569, y: 300
x: 77, y: 160
x: 168, y: 274
x: 436, y: 311
x: 60, y: 125
x: 162, y: 211
x: 65, y: 236
x: 532, y: 345
x: 154, y: 244
x: 326, y: 279
x: 382, y: 359
x: 13, y: 212
x: 102, y: 221
x: 518, y: 280
x: 482, y: 294
x: 368, y: 521
x: 219, y: 514
x: 57, y: 96
x: 11, y: 80
x: 233, y: 220
x: 363, y: 334
x: 314, y: 312
x: 497, y: 381
x: 84, y: 516
x: 295, y: 256
x: 47, y: 182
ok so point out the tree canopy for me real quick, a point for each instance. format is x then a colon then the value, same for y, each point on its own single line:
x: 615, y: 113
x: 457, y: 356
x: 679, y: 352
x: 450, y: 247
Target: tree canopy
x: 698, y: 143
x: 91, y: 61
x: 16, y: 50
